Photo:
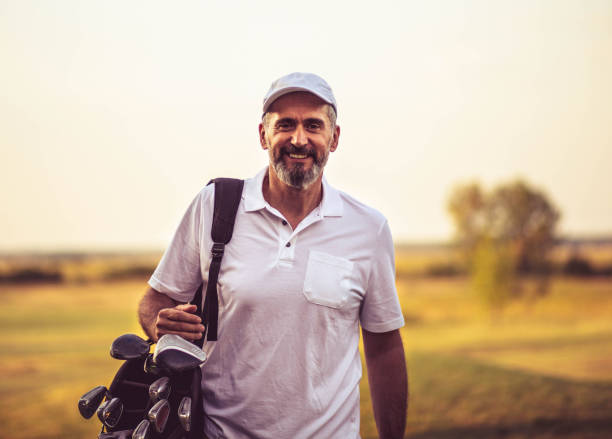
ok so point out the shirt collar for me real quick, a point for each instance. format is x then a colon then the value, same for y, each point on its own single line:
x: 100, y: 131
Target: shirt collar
x: 331, y: 204
x: 253, y: 195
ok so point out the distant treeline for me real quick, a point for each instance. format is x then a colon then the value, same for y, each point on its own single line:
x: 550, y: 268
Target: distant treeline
x: 576, y: 258
x: 38, y: 275
x: 576, y: 266
x: 569, y: 257
x: 76, y: 268
x: 31, y: 275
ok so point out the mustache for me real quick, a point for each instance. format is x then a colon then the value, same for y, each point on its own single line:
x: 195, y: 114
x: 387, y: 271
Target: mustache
x: 291, y: 149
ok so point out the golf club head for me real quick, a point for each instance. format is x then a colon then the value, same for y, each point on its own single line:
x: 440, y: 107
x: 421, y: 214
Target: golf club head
x: 100, y: 410
x: 90, y: 401
x: 175, y: 354
x: 119, y: 434
x: 110, y: 412
x: 142, y: 430
x: 160, y: 389
x: 151, y: 367
x: 158, y: 415
x: 129, y: 347
x: 184, y: 413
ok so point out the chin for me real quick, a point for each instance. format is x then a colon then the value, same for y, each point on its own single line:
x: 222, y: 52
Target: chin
x: 298, y: 178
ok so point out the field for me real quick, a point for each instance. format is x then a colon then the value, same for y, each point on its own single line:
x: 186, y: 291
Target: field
x: 542, y: 369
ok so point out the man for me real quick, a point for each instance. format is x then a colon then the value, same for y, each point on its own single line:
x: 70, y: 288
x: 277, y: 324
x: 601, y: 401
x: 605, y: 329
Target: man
x: 306, y: 265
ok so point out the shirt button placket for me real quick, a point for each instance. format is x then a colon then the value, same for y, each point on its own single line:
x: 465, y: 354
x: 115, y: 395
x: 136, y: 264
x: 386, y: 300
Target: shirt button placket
x: 289, y: 249
x: 287, y: 242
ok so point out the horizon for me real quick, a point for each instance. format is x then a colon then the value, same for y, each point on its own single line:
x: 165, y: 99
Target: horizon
x: 603, y: 239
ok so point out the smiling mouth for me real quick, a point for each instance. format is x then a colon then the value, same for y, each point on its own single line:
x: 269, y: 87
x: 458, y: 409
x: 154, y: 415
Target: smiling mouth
x: 298, y: 156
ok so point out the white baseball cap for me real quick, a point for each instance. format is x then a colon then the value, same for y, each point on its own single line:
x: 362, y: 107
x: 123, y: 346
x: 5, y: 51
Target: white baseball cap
x: 308, y: 82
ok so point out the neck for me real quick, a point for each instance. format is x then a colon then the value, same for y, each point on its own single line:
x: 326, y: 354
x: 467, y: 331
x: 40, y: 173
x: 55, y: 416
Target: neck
x: 295, y: 204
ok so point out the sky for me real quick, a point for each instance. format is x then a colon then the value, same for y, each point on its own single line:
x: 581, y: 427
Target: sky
x: 114, y: 114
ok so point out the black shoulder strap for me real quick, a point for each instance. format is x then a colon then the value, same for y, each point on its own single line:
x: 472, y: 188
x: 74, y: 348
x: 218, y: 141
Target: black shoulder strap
x: 228, y: 192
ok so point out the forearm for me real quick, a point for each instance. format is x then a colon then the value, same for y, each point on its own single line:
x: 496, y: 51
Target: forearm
x: 150, y: 305
x: 388, y: 380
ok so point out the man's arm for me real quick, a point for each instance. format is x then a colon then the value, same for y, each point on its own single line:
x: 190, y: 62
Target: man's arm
x: 159, y: 314
x: 384, y: 353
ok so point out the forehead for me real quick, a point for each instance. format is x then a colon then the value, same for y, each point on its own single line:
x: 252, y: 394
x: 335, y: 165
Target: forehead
x: 299, y: 103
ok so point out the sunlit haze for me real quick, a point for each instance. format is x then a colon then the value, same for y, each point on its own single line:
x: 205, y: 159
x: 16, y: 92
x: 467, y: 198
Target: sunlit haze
x: 114, y: 114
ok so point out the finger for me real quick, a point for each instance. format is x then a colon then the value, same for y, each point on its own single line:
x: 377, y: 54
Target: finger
x: 187, y: 307
x: 179, y: 326
x: 179, y: 315
x: 185, y: 330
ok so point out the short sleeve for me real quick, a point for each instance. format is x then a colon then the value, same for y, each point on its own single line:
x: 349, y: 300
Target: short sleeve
x: 179, y: 274
x: 381, y: 311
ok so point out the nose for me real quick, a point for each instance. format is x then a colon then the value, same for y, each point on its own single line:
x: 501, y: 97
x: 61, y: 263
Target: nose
x: 299, y: 137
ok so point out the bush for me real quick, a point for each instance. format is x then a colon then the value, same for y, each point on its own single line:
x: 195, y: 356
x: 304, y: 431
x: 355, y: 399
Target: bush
x: 444, y: 269
x: 31, y: 275
x: 576, y: 265
x: 129, y: 272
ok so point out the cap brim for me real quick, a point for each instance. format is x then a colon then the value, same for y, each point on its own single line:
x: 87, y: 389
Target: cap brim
x: 283, y: 91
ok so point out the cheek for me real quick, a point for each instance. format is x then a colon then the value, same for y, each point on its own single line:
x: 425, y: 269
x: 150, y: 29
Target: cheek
x: 274, y: 152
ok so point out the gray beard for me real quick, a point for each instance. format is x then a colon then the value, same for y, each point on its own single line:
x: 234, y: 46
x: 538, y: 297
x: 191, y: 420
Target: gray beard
x: 296, y: 176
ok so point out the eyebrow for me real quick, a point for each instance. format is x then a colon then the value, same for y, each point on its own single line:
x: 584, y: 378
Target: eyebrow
x: 285, y: 120
x: 293, y: 121
x: 314, y: 119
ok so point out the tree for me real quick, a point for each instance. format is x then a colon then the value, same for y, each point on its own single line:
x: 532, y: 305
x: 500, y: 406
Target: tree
x: 505, y: 232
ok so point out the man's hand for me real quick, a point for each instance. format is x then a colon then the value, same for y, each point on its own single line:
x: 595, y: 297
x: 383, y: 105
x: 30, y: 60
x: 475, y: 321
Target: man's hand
x: 159, y: 315
x: 179, y: 320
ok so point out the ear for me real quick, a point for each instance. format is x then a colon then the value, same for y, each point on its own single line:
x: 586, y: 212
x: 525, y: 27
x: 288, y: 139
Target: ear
x: 334, y: 143
x: 262, y: 136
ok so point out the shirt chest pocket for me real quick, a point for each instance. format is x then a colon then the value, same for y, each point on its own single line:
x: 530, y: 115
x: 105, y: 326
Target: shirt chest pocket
x: 328, y: 279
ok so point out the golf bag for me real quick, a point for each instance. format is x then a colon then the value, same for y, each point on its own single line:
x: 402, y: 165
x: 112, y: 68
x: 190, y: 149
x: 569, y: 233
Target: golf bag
x: 131, y: 384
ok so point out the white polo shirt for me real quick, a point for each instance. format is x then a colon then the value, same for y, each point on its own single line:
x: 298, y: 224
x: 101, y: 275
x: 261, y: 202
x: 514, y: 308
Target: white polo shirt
x: 286, y: 363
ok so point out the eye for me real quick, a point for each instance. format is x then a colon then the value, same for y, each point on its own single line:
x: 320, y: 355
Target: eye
x: 283, y: 125
x: 314, y: 125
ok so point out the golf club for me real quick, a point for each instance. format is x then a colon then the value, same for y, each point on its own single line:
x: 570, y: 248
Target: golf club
x: 120, y: 434
x: 142, y: 430
x: 159, y: 389
x: 129, y: 347
x: 90, y: 401
x: 101, y: 409
x: 175, y: 354
x: 158, y: 415
x: 110, y: 412
x: 184, y: 413
x: 150, y: 366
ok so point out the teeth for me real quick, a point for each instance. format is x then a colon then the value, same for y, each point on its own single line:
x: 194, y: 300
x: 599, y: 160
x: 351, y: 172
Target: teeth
x: 297, y: 156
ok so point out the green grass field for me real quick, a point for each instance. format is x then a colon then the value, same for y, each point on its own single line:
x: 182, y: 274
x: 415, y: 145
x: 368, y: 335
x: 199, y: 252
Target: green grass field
x: 541, y: 370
